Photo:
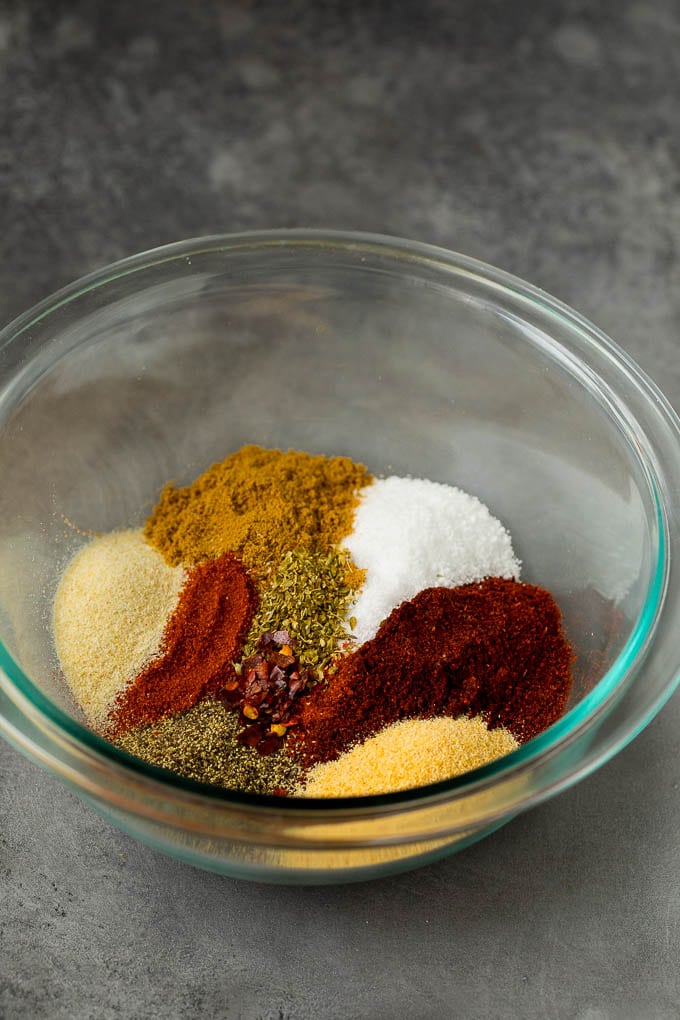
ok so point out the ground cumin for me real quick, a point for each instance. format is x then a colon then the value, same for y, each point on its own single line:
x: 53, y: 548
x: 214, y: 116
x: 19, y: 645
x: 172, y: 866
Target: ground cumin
x: 493, y: 648
x: 204, y: 635
x: 260, y: 504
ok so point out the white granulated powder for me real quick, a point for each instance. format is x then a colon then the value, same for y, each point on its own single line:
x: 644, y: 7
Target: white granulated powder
x: 410, y: 534
x: 110, y: 612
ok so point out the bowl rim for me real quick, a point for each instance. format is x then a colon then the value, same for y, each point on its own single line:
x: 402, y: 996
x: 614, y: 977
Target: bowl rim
x: 582, y: 717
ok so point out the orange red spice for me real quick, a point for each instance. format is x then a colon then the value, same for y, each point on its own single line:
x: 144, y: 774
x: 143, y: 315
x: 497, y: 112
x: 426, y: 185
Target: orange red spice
x: 204, y: 635
x: 494, y: 649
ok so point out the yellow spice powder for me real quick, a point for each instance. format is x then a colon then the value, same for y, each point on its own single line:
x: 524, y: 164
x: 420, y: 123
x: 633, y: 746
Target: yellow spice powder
x: 110, y: 611
x: 260, y: 504
x: 410, y: 753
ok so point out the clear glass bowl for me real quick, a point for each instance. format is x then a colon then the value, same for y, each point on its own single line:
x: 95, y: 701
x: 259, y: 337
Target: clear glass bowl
x: 408, y: 358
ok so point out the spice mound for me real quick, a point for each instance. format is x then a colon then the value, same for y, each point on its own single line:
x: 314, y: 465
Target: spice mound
x: 258, y: 503
x: 201, y: 744
x: 410, y: 753
x: 265, y: 688
x: 493, y: 649
x: 288, y: 624
x: 110, y: 613
x: 203, y: 636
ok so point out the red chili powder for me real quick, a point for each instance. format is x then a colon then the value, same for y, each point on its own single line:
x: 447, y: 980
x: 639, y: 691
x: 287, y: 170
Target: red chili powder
x: 494, y: 648
x: 204, y: 635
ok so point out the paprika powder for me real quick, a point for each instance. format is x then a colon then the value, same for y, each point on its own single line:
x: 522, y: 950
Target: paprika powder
x: 493, y: 648
x: 203, y: 637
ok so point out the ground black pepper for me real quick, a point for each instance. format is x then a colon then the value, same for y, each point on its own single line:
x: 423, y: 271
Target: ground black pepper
x: 201, y: 744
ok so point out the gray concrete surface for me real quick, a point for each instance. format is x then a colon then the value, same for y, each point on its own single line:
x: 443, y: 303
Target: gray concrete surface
x: 541, y: 137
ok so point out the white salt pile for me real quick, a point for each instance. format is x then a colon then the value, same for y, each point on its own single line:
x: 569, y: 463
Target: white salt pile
x: 410, y: 534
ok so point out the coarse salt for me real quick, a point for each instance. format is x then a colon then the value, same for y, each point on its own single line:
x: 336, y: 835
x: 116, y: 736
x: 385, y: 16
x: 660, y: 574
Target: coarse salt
x: 410, y: 534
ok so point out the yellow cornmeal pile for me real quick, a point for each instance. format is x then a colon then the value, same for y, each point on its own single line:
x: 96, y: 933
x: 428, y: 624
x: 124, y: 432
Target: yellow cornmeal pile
x: 410, y: 753
x: 110, y: 611
x: 260, y: 504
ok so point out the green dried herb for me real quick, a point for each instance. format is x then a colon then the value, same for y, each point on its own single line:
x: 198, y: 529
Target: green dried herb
x: 309, y: 595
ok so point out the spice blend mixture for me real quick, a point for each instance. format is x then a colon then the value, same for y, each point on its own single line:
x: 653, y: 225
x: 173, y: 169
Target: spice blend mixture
x: 289, y: 624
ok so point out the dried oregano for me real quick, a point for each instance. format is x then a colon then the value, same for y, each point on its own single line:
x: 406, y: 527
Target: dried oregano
x: 308, y: 596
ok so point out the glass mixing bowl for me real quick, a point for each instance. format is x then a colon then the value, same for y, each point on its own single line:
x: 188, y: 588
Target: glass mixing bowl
x: 408, y: 358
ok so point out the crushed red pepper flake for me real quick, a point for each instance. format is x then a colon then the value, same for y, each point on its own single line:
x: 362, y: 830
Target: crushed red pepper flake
x: 264, y: 689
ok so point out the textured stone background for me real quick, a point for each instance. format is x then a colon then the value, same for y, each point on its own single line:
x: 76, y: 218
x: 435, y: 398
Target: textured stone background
x: 542, y: 137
